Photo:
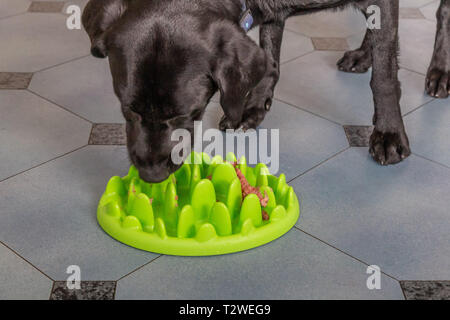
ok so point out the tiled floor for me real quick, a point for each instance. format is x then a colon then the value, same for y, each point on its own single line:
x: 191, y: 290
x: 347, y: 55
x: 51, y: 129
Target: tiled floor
x: 62, y: 137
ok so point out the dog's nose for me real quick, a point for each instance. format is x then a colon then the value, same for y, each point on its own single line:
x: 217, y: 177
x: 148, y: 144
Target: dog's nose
x: 154, y: 175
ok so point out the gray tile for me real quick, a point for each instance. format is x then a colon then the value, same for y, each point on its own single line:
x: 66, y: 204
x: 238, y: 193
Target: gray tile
x: 411, y: 13
x: 46, y: 6
x: 314, y: 83
x: 415, y: 3
x: 20, y: 280
x: 37, y: 41
x: 336, y: 24
x: 429, y: 131
x: 13, y: 7
x: 416, y: 44
x: 14, y: 80
x: 429, y: 11
x: 305, y: 140
x: 89, y: 290
x: 108, y: 134
x: 426, y: 290
x: 295, y: 266
x: 294, y: 45
x: 330, y: 44
x: 88, y: 91
x: 34, y: 131
x: 358, y: 136
x: 395, y: 217
x: 49, y: 216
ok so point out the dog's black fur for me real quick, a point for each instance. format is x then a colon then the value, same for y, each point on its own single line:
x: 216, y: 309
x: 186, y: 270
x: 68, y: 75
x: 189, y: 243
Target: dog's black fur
x: 168, y: 58
x: 438, y: 77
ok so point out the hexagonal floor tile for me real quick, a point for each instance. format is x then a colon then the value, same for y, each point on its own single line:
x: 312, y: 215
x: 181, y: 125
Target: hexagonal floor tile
x: 34, y: 41
x: 34, y: 131
x: 429, y: 131
x: 395, y: 217
x: 416, y: 44
x: 328, y: 23
x: 294, y: 45
x: 314, y: 83
x: 20, y: 280
x: 84, y: 87
x: 13, y: 7
x: 295, y: 266
x: 48, y: 215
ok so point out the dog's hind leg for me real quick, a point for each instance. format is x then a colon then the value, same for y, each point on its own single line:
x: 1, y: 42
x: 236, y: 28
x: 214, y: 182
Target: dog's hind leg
x: 388, y: 143
x: 438, y: 77
x: 259, y: 100
x: 359, y: 60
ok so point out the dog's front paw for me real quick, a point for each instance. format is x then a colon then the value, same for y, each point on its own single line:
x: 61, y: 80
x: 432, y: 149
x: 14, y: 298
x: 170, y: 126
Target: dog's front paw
x: 438, y: 83
x: 389, y: 147
x: 251, y: 119
x: 356, y: 61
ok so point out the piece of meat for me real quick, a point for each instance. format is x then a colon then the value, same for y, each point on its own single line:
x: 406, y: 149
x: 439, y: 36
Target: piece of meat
x: 248, y: 189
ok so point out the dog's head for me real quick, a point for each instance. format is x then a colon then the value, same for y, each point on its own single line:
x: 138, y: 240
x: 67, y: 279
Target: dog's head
x: 166, y: 64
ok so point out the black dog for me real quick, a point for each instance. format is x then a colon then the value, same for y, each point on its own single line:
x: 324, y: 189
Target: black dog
x: 168, y: 58
x: 438, y: 77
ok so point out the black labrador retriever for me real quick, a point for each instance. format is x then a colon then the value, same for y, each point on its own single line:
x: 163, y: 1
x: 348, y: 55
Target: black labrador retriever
x: 169, y: 57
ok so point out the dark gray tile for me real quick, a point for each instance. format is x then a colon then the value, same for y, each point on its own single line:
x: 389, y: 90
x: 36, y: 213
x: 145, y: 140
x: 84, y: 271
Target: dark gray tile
x: 330, y: 44
x: 108, y: 134
x: 358, y: 136
x: 89, y: 290
x: 411, y: 13
x: 426, y: 290
x: 46, y: 6
x: 15, y: 80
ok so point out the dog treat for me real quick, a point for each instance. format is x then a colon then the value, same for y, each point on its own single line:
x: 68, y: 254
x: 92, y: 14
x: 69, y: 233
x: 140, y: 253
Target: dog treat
x: 248, y: 189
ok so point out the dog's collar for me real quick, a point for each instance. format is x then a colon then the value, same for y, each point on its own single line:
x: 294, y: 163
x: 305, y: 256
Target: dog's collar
x: 246, y: 19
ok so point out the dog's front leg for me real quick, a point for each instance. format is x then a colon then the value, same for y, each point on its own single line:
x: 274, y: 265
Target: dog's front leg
x: 438, y: 77
x: 388, y: 143
x: 259, y: 100
x: 359, y: 60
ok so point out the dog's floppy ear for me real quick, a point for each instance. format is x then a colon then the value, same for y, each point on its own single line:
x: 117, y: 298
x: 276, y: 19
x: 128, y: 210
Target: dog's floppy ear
x: 239, y: 65
x: 98, y: 18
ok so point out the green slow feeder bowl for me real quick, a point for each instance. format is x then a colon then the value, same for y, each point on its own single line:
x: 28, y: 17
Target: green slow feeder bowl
x: 198, y: 210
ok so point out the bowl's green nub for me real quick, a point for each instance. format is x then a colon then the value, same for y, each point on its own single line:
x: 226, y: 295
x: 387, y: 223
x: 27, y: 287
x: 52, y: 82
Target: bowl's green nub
x: 198, y: 210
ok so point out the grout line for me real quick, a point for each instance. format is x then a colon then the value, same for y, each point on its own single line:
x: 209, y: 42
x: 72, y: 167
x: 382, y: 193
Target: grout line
x: 51, y: 290
x: 319, y: 164
x: 305, y: 110
x: 419, y: 107
x: 21, y: 257
x: 58, y: 105
x: 403, y: 291
x: 347, y: 254
x: 43, y: 163
x: 144, y: 265
x: 62, y: 63
x: 426, y: 4
x: 410, y: 70
x: 14, y: 15
x: 115, y: 290
x: 304, y: 54
x: 433, y: 161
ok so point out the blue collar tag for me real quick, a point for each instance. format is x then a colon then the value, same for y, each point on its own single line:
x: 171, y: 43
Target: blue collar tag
x: 246, y: 20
